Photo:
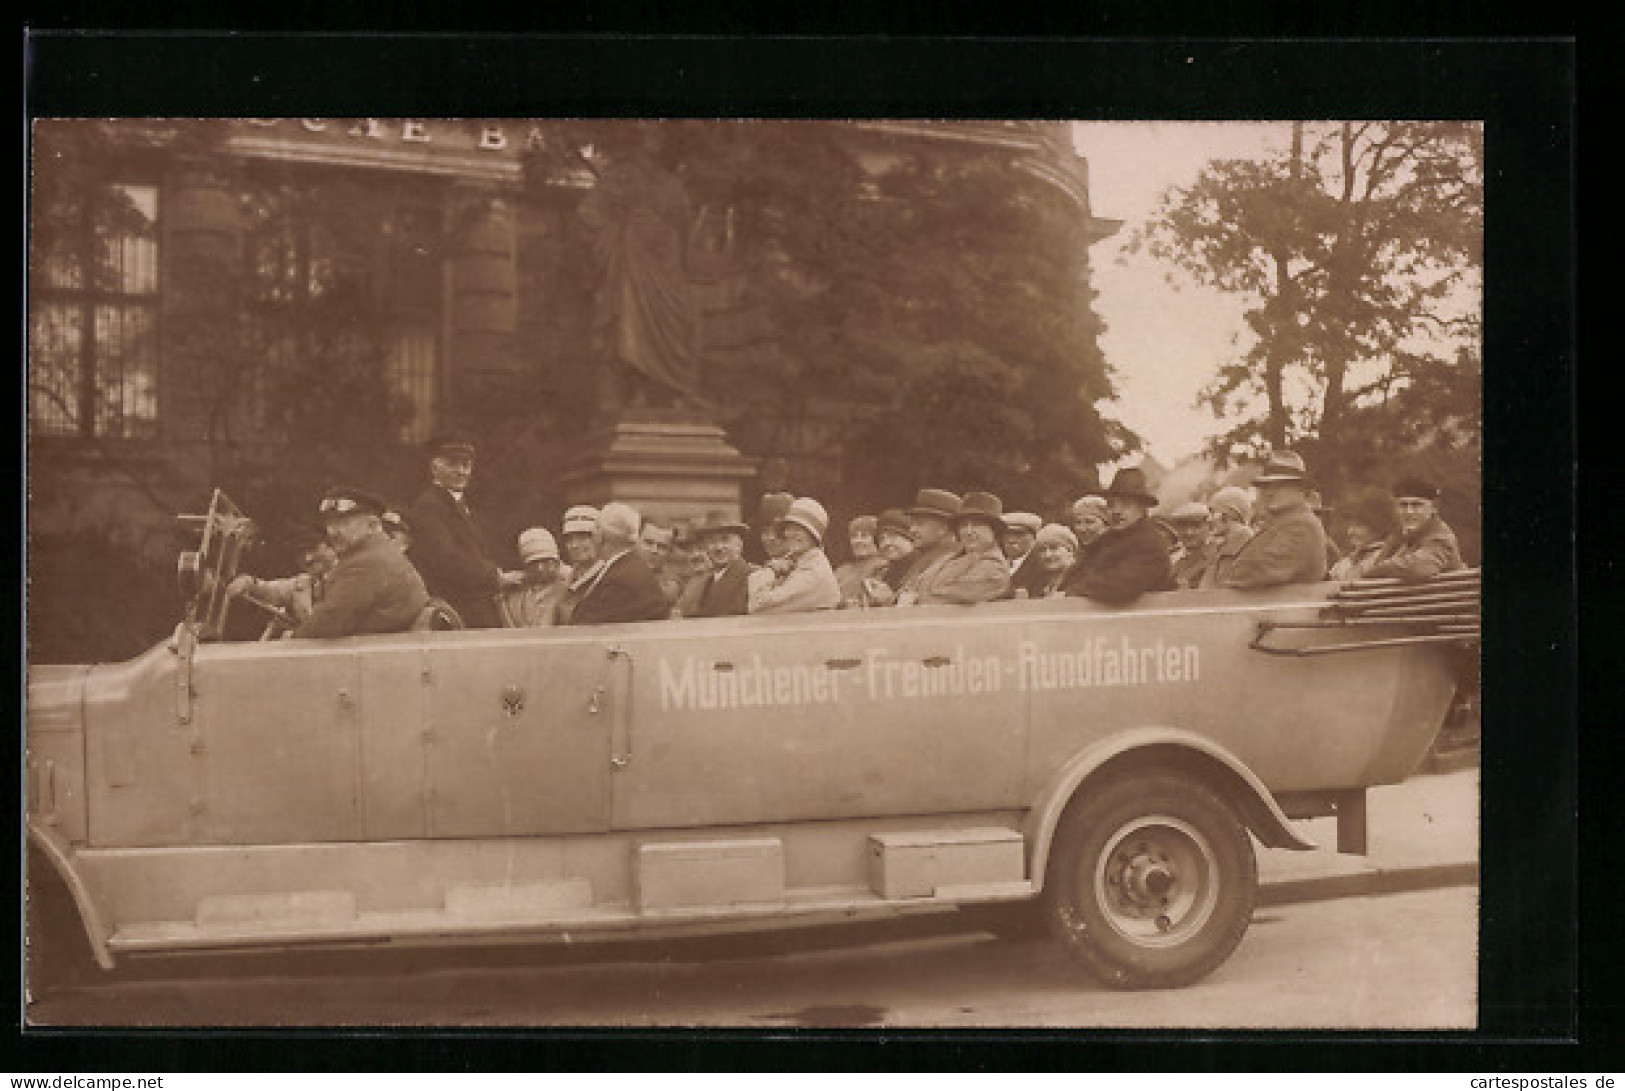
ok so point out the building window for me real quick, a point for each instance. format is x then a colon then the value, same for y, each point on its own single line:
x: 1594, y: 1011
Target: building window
x: 93, y: 326
x: 413, y: 378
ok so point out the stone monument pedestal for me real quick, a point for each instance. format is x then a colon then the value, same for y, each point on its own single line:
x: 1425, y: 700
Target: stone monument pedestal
x: 673, y: 465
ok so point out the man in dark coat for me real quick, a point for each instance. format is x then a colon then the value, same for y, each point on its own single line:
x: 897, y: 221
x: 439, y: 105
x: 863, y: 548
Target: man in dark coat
x: 374, y: 588
x: 1424, y: 545
x: 1132, y: 557
x: 725, y: 590
x: 448, y: 546
x: 625, y: 587
x: 1291, y: 546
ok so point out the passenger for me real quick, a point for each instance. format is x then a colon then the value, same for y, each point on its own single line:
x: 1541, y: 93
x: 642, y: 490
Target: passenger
x: 655, y: 540
x: 448, y: 546
x: 930, y: 525
x: 1193, y: 523
x: 373, y: 588
x: 1232, y: 528
x: 723, y: 590
x: 1090, y: 519
x: 768, y: 514
x: 1291, y: 545
x: 534, y: 604
x: 579, y: 537
x: 1055, y: 552
x: 294, y: 595
x: 1364, y: 528
x: 1132, y: 557
x: 1018, y: 539
x: 622, y: 587
x: 801, y: 578
x: 896, y: 544
x: 978, y: 570
x: 866, y: 560
x: 1423, y: 546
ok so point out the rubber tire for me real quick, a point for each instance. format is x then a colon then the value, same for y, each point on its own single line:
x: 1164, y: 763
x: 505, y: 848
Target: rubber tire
x: 57, y: 954
x: 1080, y: 923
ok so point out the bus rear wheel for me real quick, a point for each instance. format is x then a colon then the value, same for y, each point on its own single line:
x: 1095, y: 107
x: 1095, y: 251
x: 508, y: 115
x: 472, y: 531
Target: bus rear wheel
x: 1152, y: 881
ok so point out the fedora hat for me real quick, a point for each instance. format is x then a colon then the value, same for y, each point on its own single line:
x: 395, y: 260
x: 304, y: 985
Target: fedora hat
x: 939, y: 502
x: 1129, y: 484
x: 720, y: 522
x: 1285, y: 468
x: 982, y: 507
x: 808, y: 513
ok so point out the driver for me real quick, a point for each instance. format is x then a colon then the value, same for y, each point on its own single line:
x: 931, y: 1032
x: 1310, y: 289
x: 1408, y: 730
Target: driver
x: 295, y: 595
x: 373, y: 588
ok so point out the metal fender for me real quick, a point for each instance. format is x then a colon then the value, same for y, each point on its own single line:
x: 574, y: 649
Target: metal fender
x: 1163, y: 747
x: 58, y: 852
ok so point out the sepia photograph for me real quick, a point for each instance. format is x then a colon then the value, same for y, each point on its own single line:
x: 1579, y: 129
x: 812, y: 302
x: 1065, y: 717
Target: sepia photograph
x: 754, y: 573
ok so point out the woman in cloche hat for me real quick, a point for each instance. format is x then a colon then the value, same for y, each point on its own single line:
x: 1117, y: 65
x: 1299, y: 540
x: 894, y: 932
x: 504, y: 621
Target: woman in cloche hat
x: 800, y: 579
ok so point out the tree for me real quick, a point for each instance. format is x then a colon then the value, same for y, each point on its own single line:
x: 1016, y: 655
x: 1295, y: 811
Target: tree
x: 1359, y: 249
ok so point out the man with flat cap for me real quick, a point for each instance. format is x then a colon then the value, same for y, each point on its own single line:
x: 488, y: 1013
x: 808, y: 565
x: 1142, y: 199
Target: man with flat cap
x: 1192, y: 522
x: 448, y: 546
x: 1423, y: 546
x: 1291, y: 545
x: 1132, y: 556
x: 373, y: 588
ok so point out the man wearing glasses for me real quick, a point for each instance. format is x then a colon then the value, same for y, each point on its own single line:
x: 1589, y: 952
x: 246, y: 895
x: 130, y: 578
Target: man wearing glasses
x: 448, y: 547
x: 374, y: 588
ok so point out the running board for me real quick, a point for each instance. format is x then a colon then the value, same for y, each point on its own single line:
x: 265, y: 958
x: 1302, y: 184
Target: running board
x: 324, y: 918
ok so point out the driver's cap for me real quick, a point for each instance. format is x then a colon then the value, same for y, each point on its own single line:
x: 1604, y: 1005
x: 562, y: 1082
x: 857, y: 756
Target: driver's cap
x: 346, y: 500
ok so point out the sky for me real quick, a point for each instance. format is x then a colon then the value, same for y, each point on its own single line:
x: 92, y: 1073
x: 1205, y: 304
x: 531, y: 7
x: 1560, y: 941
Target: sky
x: 1164, y: 342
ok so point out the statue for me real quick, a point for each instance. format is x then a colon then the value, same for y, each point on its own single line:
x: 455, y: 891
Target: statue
x: 646, y: 329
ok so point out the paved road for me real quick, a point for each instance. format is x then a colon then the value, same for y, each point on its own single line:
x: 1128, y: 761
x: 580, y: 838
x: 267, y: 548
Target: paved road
x: 1401, y: 960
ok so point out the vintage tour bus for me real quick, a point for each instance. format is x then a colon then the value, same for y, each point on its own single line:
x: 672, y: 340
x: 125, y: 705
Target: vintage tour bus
x: 1104, y: 770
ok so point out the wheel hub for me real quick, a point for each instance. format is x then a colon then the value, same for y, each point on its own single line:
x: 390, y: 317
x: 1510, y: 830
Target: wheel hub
x: 1156, y: 881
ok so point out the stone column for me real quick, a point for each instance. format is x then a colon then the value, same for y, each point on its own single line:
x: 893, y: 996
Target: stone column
x: 482, y: 290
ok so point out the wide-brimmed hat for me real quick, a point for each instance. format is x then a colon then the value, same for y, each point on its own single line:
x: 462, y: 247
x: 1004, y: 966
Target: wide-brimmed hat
x: 581, y: 519
x: 1234, y: 500
x: 347, y: 499
x: 1416, y: 487
x: 894, y: 520
x: 537, y: 544
x: 773, y: 507
x: 1056, y: 534
x: 980, y: 507
x: 810, y: 514
x: 1285, y: 468
x: 1023, y: 520
x: 720, y: 522
x: 939, y: 502
x: 1130, y: 484
x: 1193, y: 511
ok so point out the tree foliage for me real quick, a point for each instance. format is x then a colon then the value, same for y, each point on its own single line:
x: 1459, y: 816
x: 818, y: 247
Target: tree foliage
x: 1359, y: 251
